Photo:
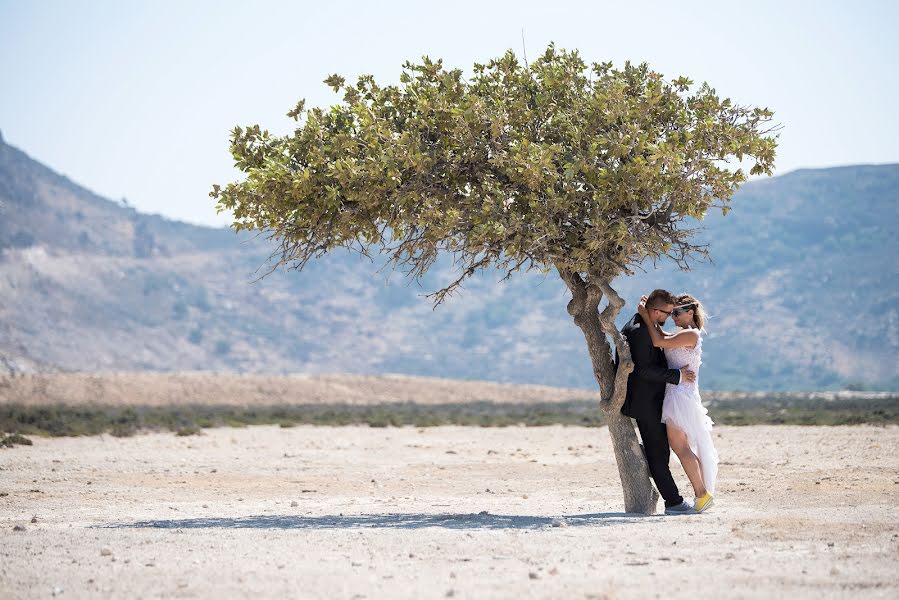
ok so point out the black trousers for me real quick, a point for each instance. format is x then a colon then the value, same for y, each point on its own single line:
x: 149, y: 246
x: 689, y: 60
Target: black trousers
x: 655, y: 444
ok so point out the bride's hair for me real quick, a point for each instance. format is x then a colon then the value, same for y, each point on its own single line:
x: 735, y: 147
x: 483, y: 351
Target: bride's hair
x: 696, y: 305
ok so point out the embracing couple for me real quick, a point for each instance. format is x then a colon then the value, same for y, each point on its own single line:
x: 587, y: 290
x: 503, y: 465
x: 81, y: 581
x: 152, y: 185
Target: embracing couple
x: 663, y: 397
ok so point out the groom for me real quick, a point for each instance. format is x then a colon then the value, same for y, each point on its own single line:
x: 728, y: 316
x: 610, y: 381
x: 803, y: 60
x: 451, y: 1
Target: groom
x: 646, y: 392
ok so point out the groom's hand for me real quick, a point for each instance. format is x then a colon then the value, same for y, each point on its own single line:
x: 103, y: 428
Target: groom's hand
x: 687, y: 376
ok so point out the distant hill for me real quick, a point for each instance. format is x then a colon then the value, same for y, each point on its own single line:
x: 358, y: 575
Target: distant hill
x: 803, y: 294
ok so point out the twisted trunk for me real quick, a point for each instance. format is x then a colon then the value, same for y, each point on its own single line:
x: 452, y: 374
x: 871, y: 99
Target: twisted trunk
x: 639, y: 494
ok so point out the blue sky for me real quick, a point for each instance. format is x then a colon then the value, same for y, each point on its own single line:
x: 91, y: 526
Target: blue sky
x: 136, y: 99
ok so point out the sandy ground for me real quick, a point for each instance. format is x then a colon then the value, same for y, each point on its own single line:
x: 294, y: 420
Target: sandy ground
x: 237, y: 389
x: 359, y: 512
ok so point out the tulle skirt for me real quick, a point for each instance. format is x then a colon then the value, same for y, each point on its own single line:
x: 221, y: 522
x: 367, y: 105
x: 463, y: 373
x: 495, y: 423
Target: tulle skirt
x: 683, y: 408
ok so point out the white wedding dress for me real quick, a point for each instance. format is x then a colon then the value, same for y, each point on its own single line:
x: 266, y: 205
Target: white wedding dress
x: 683, y: 408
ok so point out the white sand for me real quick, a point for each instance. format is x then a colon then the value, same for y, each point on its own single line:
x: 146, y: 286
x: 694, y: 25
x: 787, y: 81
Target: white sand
x: 802, y: 512
x: 235, y: 389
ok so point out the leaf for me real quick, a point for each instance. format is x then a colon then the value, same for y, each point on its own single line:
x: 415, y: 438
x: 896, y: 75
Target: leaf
x: 335, y: 82
x: 562, y: 160
x: 297, y: 110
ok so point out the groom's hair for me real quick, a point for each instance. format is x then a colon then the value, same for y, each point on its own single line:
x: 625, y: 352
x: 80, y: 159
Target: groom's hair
x: 659, y: 298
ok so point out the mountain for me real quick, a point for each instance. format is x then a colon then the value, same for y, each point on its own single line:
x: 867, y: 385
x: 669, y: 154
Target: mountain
x: 803, y: 294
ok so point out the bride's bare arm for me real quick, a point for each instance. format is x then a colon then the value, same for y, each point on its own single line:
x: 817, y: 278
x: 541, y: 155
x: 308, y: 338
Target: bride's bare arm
x: 686, y: 337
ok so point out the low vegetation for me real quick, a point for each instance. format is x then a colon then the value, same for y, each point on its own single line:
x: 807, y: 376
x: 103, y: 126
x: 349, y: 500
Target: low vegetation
x: 64, y: 420
x: 11, y: 440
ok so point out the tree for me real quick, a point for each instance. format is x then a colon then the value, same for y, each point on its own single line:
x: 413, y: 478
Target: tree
x: 588, y: 170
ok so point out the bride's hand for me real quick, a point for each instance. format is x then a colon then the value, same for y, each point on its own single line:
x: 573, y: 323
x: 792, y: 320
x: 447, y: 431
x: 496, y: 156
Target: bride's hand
x: 641, y: 307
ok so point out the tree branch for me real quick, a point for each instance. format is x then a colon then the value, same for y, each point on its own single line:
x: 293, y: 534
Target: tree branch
x: 613, y: 399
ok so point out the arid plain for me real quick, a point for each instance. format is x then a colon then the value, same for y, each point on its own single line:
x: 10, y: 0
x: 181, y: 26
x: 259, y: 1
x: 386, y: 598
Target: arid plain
x: 449, y: 511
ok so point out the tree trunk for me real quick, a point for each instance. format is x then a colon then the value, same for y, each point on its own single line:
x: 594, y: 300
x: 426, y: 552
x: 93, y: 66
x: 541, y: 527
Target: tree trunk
x: 639, y: 494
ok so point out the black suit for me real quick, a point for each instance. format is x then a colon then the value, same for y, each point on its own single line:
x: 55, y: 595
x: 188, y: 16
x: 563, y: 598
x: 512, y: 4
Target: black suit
x: 643, y: 402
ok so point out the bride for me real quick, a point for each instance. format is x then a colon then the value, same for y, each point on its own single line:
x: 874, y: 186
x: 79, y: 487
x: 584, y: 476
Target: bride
x: 686, y: 419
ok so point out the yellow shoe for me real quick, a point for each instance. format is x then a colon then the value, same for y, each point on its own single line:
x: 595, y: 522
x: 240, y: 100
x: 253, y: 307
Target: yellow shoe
x: 703, y: 503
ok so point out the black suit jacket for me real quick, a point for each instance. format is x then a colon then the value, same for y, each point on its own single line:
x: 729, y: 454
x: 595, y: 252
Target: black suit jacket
x: 646, y: 384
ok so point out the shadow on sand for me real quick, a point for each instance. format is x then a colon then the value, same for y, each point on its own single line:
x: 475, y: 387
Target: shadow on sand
x: 482, y: 520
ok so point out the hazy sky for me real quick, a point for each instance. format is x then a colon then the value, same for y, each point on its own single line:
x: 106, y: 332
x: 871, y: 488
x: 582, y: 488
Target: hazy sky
x: 136, y: 99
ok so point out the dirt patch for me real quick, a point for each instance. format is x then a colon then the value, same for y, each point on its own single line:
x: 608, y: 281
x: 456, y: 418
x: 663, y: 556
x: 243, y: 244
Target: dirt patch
x: 161, y: 389
x: 431, y: 512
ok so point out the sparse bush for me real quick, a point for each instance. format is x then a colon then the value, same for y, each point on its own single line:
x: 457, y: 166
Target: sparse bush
x: 11, y: 440
x: 179, y: 310
x: 22, y: 239
x: 62, y: 420
x: 201, y: 300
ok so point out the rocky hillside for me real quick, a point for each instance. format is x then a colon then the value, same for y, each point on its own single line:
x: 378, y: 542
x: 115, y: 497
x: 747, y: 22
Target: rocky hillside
x: 803, y: 295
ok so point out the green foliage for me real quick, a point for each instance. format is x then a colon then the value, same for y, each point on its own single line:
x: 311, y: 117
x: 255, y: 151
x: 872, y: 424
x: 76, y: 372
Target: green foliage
x: 179, y: 310
x: 189, y: 430
x: 187, y: 419
x: 11, y: 440
x: 196, y: 335
x: 553, y: 164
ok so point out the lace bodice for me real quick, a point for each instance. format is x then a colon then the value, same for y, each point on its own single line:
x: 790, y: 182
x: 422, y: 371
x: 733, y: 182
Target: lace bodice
x: 685, y: 356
